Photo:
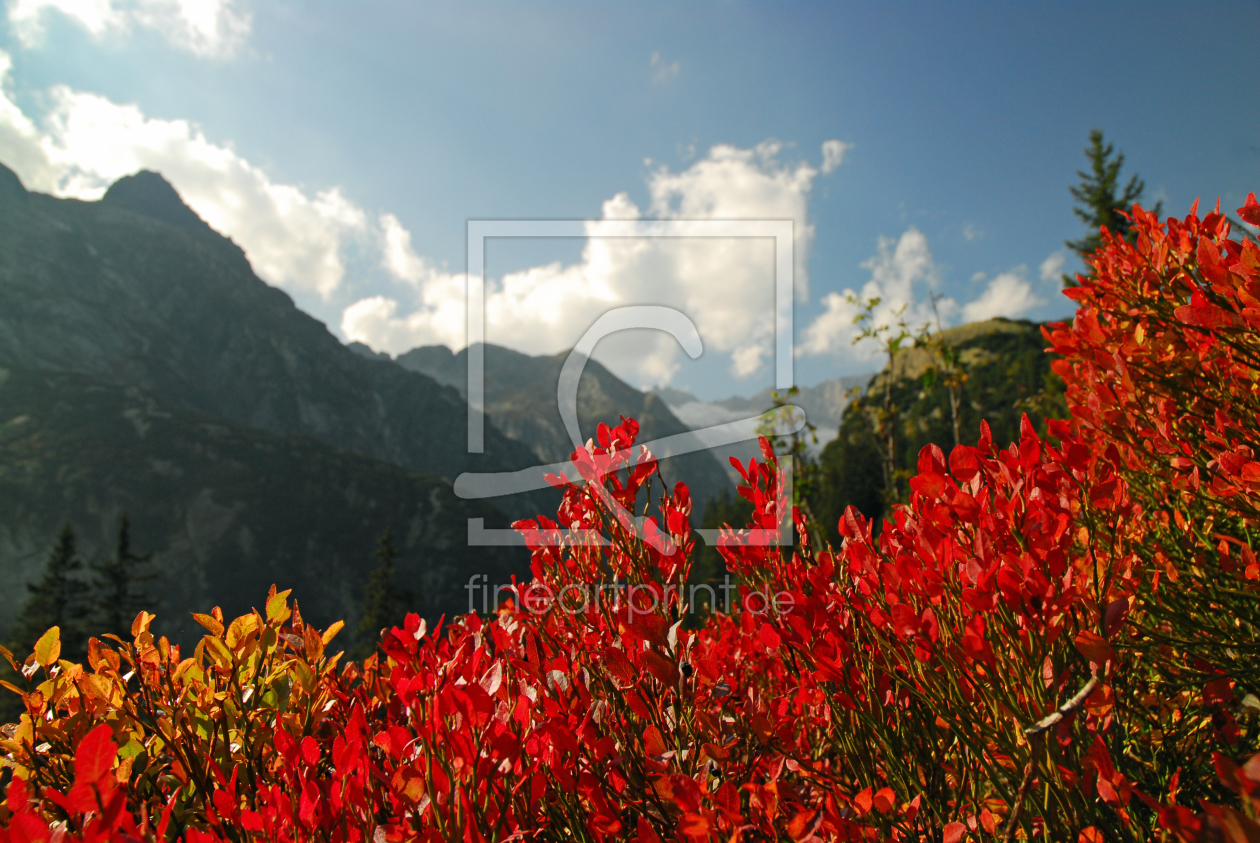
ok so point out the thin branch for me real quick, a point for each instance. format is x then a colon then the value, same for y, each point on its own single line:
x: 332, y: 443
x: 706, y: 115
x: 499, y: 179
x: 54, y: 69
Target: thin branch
x: 1035, y: 733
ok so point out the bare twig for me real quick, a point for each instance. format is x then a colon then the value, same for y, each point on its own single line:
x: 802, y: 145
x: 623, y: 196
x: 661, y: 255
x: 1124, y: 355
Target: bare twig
x: 1064, y: 710
x: 1036, y: 734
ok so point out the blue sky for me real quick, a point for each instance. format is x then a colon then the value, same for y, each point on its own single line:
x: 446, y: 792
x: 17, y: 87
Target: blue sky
x: 346, y: 145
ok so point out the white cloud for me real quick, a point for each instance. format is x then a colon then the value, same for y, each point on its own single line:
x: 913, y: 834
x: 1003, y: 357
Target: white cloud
x: 1009, y: 294
x: 662, y: 70
x: 724, y: 285
x: 1052, y: 267
x: 833, y: 154
x: 205, y: 28
x: 85, y: 142
x: 971, y: 232
x: 299, y: 239
x: 898, y: 271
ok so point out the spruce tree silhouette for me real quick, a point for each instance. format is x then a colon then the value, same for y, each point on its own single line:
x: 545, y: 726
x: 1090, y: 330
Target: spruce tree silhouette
x: 384, y: 603
x: 117, y: 586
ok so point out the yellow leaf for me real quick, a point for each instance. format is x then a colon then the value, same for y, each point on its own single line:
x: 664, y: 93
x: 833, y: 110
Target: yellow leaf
x: 210, y: 623
x: 218, y: 651
x: 48, y: 647
x: 240, y: 628
x: 278, y: 607
x: 331, y: 632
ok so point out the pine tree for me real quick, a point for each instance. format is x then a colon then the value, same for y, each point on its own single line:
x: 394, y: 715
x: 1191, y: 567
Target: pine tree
x: 58, y: 599
x: 1098, y: 203
x: 384, y: 603
x: 117, y: 585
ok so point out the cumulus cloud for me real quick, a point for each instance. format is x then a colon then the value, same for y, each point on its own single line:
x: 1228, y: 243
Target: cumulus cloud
x: 301, y: 239
x: 86, y: 142
x: 1009, y: 294
x: 833, y: 154
x: 904, y: 277
x: 205, y: 28
x: 723, y: 284
x: 1052, y: 267
x: 899, y: 271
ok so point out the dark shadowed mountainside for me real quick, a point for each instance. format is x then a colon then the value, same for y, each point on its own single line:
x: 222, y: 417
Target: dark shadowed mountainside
x: 148, y: 369
x: 228, y: 510
x: 136, y: 290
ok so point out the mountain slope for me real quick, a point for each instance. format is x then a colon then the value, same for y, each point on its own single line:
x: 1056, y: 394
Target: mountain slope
x: 227, y: 509
x: 136, y: 290
x: 823, y: 404
x: 1008, y: 374
x: 520, y: 395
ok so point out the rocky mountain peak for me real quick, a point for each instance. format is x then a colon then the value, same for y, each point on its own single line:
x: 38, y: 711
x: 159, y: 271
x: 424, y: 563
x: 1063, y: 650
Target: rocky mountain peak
x: 148, y: 193
x: 10, y: 185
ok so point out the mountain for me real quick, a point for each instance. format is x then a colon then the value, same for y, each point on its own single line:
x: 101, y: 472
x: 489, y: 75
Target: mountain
x: 147, y: 368
x: 137, y: 290
x: 227, y: 509
x: 520, y: 397
x: 1007, y: 374
x: 823, y: 404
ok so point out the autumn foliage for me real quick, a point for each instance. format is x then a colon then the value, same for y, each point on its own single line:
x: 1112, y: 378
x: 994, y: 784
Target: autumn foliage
x: 1053, y: 639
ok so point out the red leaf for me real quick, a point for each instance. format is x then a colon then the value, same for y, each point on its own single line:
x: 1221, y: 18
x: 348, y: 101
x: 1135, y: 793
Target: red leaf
x: 28, y: 828
x: 954, y: 832
x: 769, y: 638
x: 1209, y: 317
x: 1250, y: 211
x: 885, y: 800
x: 963, y: 463
x: 95, y: 755
x: 310, y: 750
x: 644, y: 832
x: 930, y: 484
x: 619, y: 667
x: 863, y: 802
x: 664, y: 670
x: 653, y: 742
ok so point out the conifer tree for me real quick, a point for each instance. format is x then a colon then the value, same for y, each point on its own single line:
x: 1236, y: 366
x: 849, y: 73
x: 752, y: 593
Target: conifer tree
x: 1098, y: 202
x: 384, y: 603
x: 58, y: 599
x: 117, y: 585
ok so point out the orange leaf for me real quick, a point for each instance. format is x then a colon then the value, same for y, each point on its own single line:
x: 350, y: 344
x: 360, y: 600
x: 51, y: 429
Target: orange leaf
x: 954, y: 832
x: 1094, y: 647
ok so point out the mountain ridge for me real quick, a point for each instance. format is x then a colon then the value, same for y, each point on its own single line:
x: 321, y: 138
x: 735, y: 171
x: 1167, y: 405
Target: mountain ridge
x: 105, y: 291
